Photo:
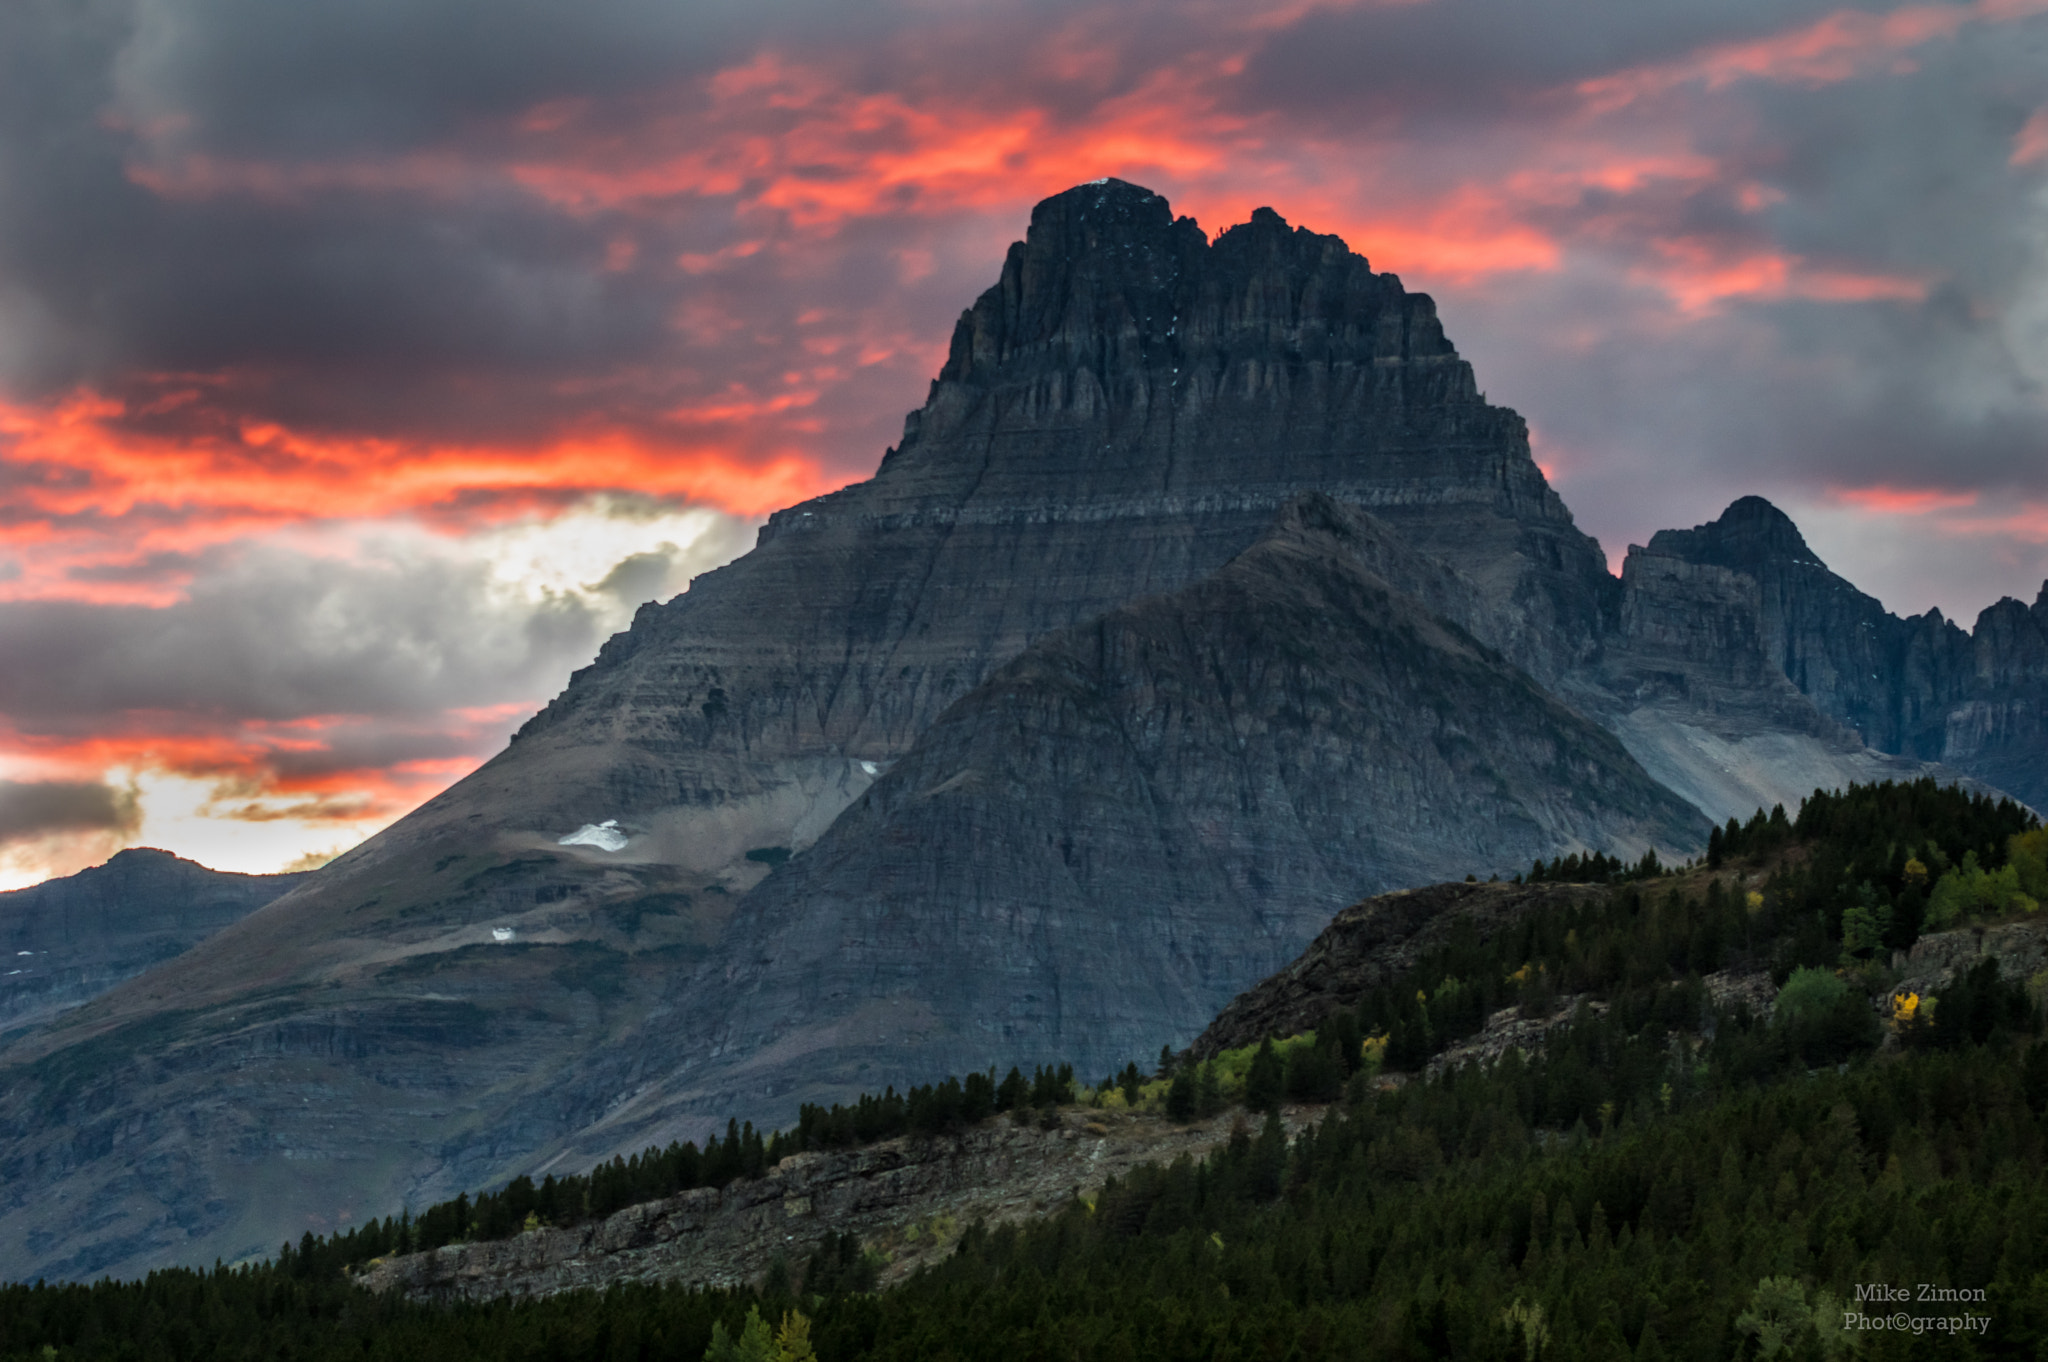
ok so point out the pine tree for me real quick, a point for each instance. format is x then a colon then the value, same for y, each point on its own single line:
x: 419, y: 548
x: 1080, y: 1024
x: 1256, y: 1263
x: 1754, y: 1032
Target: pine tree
x: 1265, y: 1081
x: 756, y: 1342
x: 1182, y: 1098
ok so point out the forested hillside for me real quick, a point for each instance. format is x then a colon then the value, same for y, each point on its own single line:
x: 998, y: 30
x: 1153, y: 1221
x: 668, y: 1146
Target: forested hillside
x: 1659, y: 1175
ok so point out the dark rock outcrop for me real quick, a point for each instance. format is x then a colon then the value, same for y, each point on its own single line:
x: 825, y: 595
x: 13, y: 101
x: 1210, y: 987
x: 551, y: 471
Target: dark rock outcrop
x: 69, y: 939
x: 1368, y: 944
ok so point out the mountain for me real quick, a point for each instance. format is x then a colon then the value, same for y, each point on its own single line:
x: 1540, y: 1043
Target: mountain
x: 1691, y: 684
x: 1060, y: 729
x: 1121, y: 414
x: 73, y: 938
x: 1920, y: 687
x: 1093, y: 850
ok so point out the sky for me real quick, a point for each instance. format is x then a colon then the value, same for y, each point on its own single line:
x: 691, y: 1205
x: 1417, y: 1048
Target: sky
x: 364, y: 364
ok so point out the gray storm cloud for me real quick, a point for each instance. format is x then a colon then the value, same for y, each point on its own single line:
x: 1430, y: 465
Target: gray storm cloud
x: 281, y: 636
x: 390, y: 639
x: 37, y: 808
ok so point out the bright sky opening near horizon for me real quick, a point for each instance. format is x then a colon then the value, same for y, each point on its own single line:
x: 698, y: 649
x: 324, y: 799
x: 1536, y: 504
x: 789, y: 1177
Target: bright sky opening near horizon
x: 364, y: 365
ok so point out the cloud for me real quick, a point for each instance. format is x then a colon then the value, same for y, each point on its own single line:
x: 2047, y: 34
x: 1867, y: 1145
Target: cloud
x: 320, y: 686
x: 36, y: 808
x: 640, y: 576
x: 387, y: 622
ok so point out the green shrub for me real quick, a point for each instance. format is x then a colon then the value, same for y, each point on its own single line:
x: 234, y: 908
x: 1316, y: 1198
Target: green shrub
x: 1820, y: 1019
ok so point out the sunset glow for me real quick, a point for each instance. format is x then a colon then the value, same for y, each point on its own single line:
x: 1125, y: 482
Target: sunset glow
x: 332, y: 439
x: 1903, y: 500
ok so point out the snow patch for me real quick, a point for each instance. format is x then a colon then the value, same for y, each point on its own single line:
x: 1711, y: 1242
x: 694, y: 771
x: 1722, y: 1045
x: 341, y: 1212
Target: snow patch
x: 502, y: 933
x: 867, y: 766
x: 605, y: 835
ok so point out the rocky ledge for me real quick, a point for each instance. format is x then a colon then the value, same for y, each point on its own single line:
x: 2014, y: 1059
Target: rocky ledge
x: 909, y: 1198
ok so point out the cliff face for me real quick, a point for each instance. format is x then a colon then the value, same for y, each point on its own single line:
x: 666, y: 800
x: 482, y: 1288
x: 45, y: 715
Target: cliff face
x: 1690, y: 684
x: 1919, y: 688
x: 68, y: 940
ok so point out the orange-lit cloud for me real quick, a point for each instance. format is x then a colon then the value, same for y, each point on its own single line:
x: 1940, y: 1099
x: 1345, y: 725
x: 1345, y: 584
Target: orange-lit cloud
x: 1841, y: 46
x: 794, y: 138
x: 1700, y: 276
x: 2026, y: 521
x: 1902, y: 500
x: 93, y: 476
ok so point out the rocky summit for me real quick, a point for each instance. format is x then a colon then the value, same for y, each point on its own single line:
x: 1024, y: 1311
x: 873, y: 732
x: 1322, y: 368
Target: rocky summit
x: 1203, y: 594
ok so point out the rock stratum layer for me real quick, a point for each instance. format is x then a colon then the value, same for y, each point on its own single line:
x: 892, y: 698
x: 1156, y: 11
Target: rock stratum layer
x: 1203, y: 594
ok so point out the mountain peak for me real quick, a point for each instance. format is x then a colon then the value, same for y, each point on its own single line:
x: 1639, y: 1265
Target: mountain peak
x: 1098, y: 276
x: 1112, y: 306
x: 1750, y: 532
x: 1755, y: 516
x: 1107, y: 202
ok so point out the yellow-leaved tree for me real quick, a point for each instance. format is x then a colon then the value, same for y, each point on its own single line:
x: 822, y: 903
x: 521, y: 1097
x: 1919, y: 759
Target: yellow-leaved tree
x: 793, y: 1339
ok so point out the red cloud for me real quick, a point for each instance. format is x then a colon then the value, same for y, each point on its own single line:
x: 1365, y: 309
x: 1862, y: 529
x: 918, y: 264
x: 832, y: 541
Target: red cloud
x: 1700, y: 275
x: 264, y: 772
x: 1902, y: 500
x: 89, y: 481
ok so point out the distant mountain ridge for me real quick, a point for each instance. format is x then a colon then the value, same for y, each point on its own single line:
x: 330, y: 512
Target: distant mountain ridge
x: 68, y: 940
x: 1212, y: 549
